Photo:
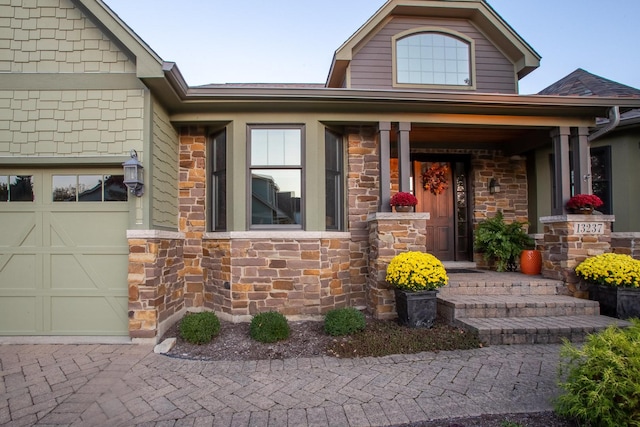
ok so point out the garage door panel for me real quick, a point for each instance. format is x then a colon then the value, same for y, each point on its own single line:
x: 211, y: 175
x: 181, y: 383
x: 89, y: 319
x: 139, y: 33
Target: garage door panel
x: 18, y: 271
x: 89, y: 315
x: 88, y: 229
x: 82, y: 271
x: 18, y: 315
x: 67, y: 272
x: 63, y: 265
x: 18, y: 229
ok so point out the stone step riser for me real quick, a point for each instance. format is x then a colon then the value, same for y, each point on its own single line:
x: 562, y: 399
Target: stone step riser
x: 468, y: 288
x: 547, y: 330
x: 450, y: 312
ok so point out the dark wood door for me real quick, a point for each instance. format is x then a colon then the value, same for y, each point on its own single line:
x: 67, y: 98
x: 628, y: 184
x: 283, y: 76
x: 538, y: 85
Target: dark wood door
x: 438, y: 201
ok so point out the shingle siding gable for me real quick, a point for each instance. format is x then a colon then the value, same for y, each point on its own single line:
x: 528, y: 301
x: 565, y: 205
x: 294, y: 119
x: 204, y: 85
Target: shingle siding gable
x: 55, y: 37
x: 372, y: 65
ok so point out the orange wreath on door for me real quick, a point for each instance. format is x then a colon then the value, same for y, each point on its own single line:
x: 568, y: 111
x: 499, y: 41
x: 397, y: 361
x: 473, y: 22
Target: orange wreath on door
x: 434, y: 179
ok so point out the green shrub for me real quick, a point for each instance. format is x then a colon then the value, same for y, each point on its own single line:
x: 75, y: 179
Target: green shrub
x: 602, y: 386
x: 343, y: 321
x: 199, y: 328
x: 269, y: 327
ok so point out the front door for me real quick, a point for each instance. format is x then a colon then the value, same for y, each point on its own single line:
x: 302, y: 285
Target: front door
x: 441, y: 191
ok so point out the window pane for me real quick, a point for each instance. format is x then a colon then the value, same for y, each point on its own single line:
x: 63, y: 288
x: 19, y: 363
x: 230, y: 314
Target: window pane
x: 333, y: 181
x: 64, y: 188
x: 21, y: 189
x: 4, y: 188
x: 218, y: 194
x: 219, y: 152
x: 114, y: 189
x: 220, y: 200
x: 418, y: 55
x: 292, y: 153
x: 274, y: 147
x: 275, y: 196
x: 90, y: 188
x: 259, y: 147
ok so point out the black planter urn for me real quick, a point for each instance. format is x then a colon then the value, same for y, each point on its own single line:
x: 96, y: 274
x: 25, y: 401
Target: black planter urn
x: 621, y: 303
x: 416, y: 309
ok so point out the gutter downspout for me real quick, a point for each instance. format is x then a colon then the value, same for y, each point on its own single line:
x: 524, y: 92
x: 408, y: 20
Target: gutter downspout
x: 614, y: 120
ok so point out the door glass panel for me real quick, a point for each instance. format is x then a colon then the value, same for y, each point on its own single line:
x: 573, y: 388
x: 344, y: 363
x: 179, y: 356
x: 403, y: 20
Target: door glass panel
x: 21, y: 188
x: 462, y: 231
x: 64, y: 188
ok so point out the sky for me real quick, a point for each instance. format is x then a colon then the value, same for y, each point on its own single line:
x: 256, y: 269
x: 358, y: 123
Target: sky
x: 293, y: 41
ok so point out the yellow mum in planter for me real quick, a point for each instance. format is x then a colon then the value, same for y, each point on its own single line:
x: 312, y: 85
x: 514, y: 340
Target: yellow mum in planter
x: 611, y: 270
x: 416, y: 271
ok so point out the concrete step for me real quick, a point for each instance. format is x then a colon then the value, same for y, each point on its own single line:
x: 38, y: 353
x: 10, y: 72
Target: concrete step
x: 536, y: 330
x: 452, y: 307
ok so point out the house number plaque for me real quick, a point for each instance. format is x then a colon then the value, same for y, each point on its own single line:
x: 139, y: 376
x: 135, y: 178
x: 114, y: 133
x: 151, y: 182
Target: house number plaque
x: 588, y: 228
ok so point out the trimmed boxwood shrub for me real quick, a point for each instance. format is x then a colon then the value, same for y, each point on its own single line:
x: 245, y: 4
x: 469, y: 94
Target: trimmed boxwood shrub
x: 269, y: 327
x: 343, y: 321
x: 602, y: 386
x: 199, y: 328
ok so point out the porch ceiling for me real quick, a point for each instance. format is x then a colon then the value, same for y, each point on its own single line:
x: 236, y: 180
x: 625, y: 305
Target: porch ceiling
x: 511, y: 140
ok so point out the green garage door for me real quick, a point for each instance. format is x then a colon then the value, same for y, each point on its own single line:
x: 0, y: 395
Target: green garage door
x: 63, y: 252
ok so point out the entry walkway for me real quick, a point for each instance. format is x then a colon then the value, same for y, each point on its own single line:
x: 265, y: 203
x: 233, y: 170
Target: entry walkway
x: 124, y: 385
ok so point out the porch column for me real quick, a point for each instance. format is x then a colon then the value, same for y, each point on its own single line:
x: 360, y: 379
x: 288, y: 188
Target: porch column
x: 404, y: 161
x: 562, y: 169
x: 384, y: 129
x: 581, y: 160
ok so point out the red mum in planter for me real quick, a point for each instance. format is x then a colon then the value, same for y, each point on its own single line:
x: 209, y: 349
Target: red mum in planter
x: 584, y: 201
x: 403, y: 199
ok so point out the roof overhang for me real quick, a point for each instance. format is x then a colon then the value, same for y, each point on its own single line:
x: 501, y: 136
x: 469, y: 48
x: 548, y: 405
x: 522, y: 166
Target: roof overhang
x: 182, y: 100
x: 478, y: 12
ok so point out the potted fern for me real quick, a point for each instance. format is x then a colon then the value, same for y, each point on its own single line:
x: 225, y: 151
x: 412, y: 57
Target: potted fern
x: 500, y: 242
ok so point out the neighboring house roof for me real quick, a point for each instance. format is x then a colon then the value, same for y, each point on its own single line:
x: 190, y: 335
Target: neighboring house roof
x: 260, y: 85
x: 479, y: 12
x: 584, y: 83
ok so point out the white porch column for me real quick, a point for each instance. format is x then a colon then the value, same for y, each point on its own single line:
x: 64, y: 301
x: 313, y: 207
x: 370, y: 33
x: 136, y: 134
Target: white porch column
x: 404, y: 161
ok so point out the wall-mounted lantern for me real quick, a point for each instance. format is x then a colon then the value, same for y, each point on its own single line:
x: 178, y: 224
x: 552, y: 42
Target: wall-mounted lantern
x: 134, y: 175
x: 494, y: 187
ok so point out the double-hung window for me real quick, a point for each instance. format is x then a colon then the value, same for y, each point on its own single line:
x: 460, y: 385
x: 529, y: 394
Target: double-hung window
x: 275, y: 176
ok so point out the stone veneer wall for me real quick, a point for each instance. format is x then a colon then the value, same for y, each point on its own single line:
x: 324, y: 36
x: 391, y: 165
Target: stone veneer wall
x: 512, y: 178
x: 156, y: 281
x: 191, y: 217
x: 626, y: 243
x: 389, y: 235
x: 304, y: 274
x: 363, y: 194
x: 242, y: 274
x: 564, y: 249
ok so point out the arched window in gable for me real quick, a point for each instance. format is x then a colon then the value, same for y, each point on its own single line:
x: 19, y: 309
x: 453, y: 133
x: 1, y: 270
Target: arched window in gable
x: 433, y: 58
